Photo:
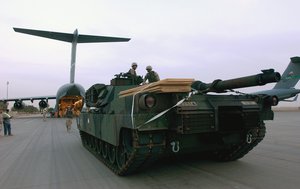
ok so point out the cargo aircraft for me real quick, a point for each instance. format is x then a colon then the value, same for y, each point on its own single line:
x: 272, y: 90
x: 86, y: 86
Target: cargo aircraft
x: 71, y: 94
x: 284, y: 89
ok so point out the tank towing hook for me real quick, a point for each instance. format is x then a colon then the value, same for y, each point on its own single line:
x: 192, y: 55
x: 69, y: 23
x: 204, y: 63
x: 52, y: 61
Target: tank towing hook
x: 175, y: 146
x: 249, y: 138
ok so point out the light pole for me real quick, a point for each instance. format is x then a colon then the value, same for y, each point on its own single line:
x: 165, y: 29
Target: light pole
x: 7, y: 89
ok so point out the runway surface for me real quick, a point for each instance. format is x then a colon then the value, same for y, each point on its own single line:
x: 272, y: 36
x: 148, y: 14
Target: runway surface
x: 43, y: 155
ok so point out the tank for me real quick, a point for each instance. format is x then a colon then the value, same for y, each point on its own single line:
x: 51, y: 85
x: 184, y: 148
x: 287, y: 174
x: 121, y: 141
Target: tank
x: 129, y: 126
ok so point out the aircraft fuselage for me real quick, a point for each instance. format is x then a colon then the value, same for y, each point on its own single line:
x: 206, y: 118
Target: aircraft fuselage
x: 70, y: 95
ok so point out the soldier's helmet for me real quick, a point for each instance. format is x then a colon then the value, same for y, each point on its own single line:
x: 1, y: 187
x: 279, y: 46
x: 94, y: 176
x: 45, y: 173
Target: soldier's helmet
x: 133, y: 64
x: 149, y: 68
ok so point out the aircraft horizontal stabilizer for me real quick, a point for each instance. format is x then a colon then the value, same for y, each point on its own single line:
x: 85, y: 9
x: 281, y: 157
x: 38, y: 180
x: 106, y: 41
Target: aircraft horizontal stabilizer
x: 69, y: 37
x: 93, y: 38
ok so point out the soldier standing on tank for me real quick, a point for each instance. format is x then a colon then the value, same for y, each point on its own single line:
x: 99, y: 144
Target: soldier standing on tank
x: 132, y: 71
x: 136, y: 79
x: 151, y: 76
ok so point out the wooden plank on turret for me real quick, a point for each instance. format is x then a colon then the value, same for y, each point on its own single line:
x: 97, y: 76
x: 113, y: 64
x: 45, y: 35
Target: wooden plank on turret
x: 163, y: 86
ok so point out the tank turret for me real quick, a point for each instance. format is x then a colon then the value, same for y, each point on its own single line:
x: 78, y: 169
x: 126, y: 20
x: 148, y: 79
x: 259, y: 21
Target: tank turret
x: 126, y: 79
x: 268, y: 76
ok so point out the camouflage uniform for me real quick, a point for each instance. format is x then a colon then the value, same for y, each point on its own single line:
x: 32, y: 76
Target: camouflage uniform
x: 151, y: 76
x: 3, y: 107
x: 6, y: 123
x: 1, y: 121
x: 44, y: 113
x: 69, y: 115
x: 132, y: 71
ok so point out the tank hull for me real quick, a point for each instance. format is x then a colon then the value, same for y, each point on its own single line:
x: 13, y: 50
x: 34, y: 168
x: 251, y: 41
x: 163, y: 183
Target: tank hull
x: 127, y: 137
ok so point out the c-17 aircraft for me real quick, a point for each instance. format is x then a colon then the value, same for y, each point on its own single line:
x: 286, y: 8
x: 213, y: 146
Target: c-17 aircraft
x: 71, y: 94
x: 284, y: 89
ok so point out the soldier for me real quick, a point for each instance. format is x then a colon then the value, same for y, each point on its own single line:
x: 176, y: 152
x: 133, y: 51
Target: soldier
x: 136, y: 79
x: 45, y: 110
x: 69, y: 115
x: 6, y: 123
x: 1, y: 120
x: 132, y: 69
x: 151, y: 76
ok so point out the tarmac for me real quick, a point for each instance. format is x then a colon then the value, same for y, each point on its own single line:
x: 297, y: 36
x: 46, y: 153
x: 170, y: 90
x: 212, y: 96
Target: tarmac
x: 43, y: 155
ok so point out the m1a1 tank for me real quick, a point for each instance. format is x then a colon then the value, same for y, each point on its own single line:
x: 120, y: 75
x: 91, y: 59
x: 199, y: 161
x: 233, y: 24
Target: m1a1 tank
x: 128, y: 126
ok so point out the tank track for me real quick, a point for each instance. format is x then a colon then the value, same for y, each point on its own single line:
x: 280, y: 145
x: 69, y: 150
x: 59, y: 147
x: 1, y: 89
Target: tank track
x: 240, y: 150
x: 143, y: 152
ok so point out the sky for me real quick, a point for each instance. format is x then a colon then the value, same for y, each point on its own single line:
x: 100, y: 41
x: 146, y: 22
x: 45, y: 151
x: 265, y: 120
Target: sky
x: 200, y: 39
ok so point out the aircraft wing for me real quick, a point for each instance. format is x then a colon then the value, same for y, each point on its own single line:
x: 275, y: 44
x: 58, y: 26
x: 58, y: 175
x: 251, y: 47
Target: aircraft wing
x: 292, y: 100
x: 31, y: 98
x: 18, y: 102
x: 281, y: 94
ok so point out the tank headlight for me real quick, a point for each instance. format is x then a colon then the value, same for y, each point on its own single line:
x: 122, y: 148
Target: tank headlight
x: 150, y: 101
x: 272, y: 100
x: 147, y: 101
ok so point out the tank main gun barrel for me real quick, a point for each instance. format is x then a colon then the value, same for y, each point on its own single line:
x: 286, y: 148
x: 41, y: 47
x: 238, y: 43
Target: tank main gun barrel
x: 268, y: 76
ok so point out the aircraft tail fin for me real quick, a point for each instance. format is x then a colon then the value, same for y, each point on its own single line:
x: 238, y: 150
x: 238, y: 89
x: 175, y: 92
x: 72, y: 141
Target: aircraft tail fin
x: 290, y: 76
x: 71, y: 38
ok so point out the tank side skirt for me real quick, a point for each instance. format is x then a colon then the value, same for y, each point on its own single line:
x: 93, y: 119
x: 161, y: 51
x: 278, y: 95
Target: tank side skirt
x: 145, y: 150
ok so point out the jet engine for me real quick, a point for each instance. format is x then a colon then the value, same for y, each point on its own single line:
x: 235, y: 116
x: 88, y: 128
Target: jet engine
x: 19, y: 104
x: 43, y: 104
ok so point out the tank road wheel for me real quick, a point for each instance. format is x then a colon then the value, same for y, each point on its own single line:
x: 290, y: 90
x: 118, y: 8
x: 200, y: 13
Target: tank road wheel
x: 112, y: 154
x: 104, y: 150
x: 93, y: 145
x: 90, y: 142
x: 124, y: 149
x: 83, y: 138
x: 121, y: 156
x: 87, y: 139
x: 98, y: 147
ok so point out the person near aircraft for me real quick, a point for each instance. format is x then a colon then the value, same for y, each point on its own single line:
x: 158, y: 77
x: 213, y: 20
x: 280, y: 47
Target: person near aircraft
x: 6, y: 123
x: 1, y: 120
x: 69, y: 115
x: 45, y: 110
x: 151, y: 76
